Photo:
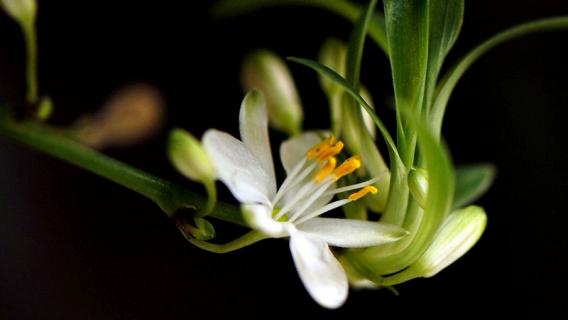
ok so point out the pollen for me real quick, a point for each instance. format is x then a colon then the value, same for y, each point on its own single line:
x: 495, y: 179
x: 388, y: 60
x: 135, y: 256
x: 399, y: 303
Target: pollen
x: 363, y: 192
x: 326, y: 170
x: 347, y: 167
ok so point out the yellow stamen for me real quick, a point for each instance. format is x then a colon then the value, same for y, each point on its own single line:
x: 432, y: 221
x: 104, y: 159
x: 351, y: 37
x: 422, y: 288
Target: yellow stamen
x: 331, y: 151
x: 326, y: 170
x: 361, y: 193
x: 318, y: 148
x: 347, y: 167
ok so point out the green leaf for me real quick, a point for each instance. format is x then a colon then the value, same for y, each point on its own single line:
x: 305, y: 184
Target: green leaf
x: 472, y: 182
x: 449, y: 81
x: 422, y: 224
x: 356, y: 45
x: 407, y: 33
x: 345, y: 9
x: 335, y: 77
x: 445, y: 18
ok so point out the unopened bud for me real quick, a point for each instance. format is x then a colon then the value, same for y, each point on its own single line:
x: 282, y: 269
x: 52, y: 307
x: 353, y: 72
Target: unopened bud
x: 268, y: 73
x: 188, y: 156
x: 23, y: 11
x: 458, y: 234
x: 45, y: 109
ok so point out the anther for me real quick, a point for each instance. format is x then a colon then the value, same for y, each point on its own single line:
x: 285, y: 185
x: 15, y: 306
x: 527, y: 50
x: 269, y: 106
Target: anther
x: 316, y: 150
x: 331, y: 151
x: 347, y: 167
x: 326, y: 170
x: 361, y: 193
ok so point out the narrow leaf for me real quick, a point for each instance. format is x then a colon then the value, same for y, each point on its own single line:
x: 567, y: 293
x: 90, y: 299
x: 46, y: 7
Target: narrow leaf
x: 335, y: 77
x: 406, y: 24
x: 356, y: 45
x: 445, y: 18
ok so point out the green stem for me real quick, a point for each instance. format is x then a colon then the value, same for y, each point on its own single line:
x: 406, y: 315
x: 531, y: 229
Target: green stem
x: 31, y: 66
x: 168, y: 196
x: 239, y: 243
x: 211, y: 198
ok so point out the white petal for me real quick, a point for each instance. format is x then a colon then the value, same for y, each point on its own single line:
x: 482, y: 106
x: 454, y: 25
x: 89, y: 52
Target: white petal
x: 296, y: 148
x: 322, y: 275
x: 259, y: 217
x: 253, y: 121
x: 348, y: 233
x: 238, y: 168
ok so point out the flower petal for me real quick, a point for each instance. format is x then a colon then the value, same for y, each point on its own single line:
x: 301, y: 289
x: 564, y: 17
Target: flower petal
x: 253, y: 121
x: 259, y: 217
x: 296, y: 148
x: 322, y: 275
x: 238, y: 168
x: 347, y: 233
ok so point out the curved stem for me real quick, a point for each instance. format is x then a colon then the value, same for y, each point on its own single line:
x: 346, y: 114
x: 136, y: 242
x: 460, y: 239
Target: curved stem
x: 239, y: 243
x: 211, y: 198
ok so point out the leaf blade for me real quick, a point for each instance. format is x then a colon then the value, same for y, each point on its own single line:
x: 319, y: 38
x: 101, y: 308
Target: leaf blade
x: 472, y: 182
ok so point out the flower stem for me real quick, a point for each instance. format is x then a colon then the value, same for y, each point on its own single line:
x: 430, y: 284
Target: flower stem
x: 168, y: 196
x: 31, y: 66
x: 239, y: 243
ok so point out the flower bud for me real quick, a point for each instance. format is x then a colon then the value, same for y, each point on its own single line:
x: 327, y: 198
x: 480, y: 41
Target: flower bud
x: 23, y: 11
x: 418, y: 185
x: 203, y: 229
x: 189, y: 158
x: 268, y: 73
x: 45, y: 109
x: 458, y: 234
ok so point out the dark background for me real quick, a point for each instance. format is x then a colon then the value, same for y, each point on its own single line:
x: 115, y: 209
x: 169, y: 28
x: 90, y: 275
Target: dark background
x: 74, y: 246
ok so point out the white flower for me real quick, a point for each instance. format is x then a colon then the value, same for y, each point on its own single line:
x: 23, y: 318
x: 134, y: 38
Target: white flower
x: 247, y: 169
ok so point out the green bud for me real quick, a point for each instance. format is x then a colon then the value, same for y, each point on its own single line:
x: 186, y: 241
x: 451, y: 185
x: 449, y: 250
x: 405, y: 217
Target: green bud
x: 268, y: 73
x: 203, y: 230
x: 459, y: 232
x: 418, y: 184
x: 23, y: 11
x: 45, y: 109
x: 189, y: 158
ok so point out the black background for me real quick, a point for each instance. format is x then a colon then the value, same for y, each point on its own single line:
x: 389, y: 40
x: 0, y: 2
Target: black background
x: 74, y: 246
